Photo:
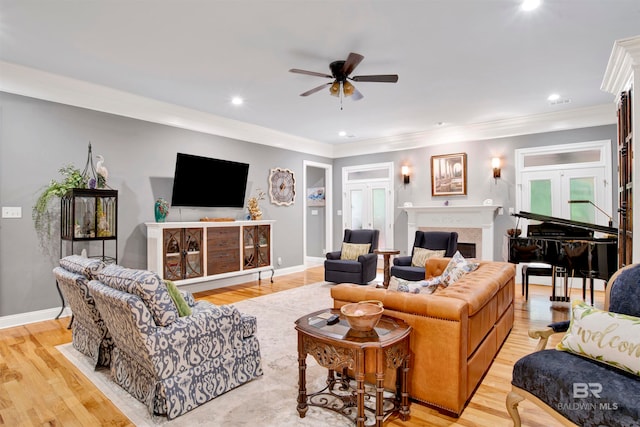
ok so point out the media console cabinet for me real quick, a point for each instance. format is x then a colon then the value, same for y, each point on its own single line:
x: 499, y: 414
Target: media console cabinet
x: 191, y: 252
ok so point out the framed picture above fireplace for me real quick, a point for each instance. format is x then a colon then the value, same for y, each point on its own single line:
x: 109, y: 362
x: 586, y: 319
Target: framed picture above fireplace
x: 449, y: 175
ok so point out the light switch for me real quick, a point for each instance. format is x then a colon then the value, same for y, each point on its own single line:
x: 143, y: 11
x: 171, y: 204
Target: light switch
x: 11, y: 212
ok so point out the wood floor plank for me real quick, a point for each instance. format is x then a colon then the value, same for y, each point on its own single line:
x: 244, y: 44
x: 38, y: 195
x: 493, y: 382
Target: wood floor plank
x: 38, y: 386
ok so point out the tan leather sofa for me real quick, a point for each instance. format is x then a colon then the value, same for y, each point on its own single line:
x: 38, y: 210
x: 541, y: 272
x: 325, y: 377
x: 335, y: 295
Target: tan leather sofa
x: 456, y: 333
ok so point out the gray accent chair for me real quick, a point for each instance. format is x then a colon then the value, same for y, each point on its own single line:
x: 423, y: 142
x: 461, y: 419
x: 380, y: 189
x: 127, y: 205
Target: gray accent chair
x: 548, y: 377
x: 361, y: 271
x: 434, y: 240
x: 173, y: 364
x: 90, y: 335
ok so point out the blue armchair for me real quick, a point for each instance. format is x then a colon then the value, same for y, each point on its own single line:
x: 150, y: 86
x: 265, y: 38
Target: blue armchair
x: 576, y: 389
x: 434, y: 240
x: 361, y: 270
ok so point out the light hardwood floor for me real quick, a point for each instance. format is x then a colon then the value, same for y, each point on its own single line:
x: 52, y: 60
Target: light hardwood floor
x: 39, y: 387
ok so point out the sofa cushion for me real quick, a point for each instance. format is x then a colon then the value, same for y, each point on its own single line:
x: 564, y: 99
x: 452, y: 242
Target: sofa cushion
x: 146, y: 285
x: 351, y: 251
x: 414, y: 287
x: 88, y: 267
x: 421, y: 255
x: 605, y: 336
x: 458, y: 266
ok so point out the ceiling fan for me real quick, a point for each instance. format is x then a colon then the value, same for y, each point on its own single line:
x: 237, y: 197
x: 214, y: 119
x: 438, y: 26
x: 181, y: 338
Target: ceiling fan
x: 340, y: 71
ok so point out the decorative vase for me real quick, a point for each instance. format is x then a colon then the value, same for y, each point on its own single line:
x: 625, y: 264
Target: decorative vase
x: 161, y: 210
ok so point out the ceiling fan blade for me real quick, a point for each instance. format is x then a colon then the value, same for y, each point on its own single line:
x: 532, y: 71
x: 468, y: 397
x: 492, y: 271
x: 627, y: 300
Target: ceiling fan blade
x: 351, y: 63
x: 316, y: 89
x: 382, y: 78
x: 310, y: 73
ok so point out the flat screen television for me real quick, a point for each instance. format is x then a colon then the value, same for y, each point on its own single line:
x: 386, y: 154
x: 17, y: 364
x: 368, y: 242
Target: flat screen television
x: 206, y: 182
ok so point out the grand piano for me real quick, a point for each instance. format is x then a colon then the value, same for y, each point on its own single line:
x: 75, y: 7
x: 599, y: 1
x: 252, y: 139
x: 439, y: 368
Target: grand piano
x: 571, y: 245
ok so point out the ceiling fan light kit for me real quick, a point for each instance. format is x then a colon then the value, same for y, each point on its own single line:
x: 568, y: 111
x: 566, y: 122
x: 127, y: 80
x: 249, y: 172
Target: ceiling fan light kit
x: 340, y: 74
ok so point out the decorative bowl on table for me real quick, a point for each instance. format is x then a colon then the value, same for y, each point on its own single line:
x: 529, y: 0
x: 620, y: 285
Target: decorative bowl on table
x: 363, y: 316
x: 514, y: 232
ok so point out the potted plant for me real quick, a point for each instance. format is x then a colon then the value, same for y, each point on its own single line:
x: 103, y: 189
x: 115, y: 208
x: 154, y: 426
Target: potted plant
x: 41, y: 215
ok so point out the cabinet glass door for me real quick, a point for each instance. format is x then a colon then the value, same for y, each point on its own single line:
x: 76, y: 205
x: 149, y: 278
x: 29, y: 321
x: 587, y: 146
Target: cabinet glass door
x: 263, y: 246
x: 193, y: 253
x: 172, y: 256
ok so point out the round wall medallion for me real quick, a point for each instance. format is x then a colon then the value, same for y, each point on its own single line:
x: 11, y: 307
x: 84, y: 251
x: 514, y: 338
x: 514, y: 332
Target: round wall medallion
x: 282, y: 186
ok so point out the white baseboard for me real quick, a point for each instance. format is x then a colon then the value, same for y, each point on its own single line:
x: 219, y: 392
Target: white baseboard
x: 32, y: 317
x: 50, y: 313
x: 313, y: 261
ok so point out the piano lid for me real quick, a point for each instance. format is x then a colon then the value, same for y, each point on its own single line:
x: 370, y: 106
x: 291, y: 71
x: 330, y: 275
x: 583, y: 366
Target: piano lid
x: 564, y: 221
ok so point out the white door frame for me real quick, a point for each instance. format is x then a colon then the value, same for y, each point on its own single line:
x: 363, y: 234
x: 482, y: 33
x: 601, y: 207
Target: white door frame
x: 328, y: 179
x: 605, y: 162
x: 388, y: 167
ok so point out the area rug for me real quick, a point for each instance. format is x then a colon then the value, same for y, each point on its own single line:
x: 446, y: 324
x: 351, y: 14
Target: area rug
x: 267, y: 401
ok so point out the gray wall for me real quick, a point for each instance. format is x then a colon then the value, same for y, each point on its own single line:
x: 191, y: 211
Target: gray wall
x: 39, y: 137
x: 480, y: 182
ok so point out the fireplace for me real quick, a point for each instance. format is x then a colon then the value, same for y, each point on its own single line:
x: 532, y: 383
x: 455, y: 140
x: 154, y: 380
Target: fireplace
x: 474, y: 224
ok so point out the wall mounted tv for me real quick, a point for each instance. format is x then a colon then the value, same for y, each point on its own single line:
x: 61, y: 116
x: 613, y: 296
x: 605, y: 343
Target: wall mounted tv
x: 206, y: 182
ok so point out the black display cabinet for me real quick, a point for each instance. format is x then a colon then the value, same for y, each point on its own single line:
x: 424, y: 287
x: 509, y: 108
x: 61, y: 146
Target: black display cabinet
x: 89, y: 215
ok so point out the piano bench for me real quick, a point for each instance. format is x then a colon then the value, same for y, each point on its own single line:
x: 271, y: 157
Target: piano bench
x: 537, y: 269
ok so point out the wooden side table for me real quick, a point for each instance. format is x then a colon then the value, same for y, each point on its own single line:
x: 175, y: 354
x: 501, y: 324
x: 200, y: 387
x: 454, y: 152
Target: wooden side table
x: 339, y: 348
x: 386, y: 255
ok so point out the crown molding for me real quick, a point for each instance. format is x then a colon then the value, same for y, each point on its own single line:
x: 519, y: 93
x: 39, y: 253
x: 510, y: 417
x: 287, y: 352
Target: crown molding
x: 547, y: 122
x: 624, y: 60
x: 34, y: 83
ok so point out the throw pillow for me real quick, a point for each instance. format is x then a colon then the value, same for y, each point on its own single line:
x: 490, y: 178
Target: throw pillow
x: 604, y: 336
x: 178, y: 299
x: 351, y: 251
x: 457, y: 267
x: 421, y: 255
x: 419, y: 287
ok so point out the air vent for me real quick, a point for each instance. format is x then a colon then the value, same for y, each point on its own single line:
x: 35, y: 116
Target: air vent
x: 560, y: 101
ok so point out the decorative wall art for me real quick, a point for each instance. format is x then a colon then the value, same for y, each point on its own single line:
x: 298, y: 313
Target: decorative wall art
x: 315, y: 196
x: 282, y: 186
x: 449, y: 174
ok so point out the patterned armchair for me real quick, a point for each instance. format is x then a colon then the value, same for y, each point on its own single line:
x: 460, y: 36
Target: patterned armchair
x: 587, y: 385
x: 170, y: 363
x: 89, y: 332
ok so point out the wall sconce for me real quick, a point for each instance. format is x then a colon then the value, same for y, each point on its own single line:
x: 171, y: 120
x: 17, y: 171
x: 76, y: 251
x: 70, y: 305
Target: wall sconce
x: 405, y: 174
x: 495, y: 164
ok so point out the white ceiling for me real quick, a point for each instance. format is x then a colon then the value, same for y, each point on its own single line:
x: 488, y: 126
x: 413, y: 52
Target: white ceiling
x: 461, y: 62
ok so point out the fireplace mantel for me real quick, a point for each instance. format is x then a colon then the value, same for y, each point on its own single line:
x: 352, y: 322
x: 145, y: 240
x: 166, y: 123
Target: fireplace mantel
x: 453, y: 218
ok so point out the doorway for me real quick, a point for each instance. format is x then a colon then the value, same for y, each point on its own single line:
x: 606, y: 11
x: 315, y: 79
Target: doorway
x: 571, y: 181
x: 317, y: 221
x: 367, y: 199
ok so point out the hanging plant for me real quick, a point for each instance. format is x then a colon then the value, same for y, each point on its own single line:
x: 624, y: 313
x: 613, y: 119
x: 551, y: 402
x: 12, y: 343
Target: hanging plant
x: 40, y: 214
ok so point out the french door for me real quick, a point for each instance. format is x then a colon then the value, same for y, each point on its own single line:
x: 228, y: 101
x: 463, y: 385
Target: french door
x: 368, y: 200
x: 578, y: 189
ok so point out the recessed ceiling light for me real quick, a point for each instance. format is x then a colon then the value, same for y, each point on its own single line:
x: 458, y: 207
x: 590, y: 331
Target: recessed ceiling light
x: 553, y: 97
x: 342, y: 133
x: 528, y: 5
x: 236, y: 100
